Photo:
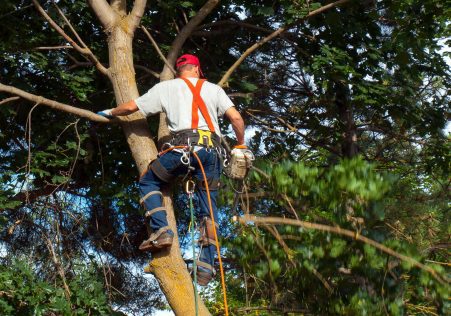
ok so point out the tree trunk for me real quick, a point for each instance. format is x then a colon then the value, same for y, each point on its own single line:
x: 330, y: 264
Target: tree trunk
x: 349, y: 147
x: 167, y: 266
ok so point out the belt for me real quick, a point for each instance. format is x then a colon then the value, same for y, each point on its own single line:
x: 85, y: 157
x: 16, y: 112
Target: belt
x: 195, y: 137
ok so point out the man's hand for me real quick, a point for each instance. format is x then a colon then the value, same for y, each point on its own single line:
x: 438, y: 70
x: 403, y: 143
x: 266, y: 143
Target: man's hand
x: 106, y: 113
x: 242, y: 150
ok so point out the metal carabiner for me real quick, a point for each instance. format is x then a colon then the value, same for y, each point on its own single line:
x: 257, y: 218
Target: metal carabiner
x: 190, y: 185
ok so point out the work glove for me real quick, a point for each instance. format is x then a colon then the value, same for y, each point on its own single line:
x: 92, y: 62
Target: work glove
x: 106, y: 113
x: 242, y: 150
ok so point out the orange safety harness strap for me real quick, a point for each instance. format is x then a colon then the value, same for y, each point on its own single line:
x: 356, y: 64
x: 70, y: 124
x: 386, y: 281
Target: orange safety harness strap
x: 198, y: 104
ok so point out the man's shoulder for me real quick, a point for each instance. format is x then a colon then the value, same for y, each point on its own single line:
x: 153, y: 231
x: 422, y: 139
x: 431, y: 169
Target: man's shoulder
x: 212, y: 85
x: 167, y: 84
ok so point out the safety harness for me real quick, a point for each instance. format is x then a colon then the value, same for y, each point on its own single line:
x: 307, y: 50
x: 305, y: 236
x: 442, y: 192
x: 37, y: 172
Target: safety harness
x: 191, y: 137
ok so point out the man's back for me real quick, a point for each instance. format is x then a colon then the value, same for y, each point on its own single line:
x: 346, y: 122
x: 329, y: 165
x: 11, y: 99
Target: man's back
x: 175, y: 98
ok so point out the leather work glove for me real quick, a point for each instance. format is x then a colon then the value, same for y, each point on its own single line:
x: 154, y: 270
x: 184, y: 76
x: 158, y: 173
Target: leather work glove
x: 106, y: 113
x: 242, y: 151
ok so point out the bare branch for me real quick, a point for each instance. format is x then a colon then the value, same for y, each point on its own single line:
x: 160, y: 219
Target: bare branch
x: 273, y: 35
x: 149, y: 71
x: 245, y: 219
x: 267, y: 124
x: 157, y: 48
x: 241, y: 95
x: 83, y: 50
x: 54, y: 104
x: 53, y: 47
x: 69, y: 24
x: 185, y: 32
x: 9, y: 100
x: 272, y: 309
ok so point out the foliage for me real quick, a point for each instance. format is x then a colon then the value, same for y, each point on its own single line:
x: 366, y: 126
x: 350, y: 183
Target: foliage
x: 23, y: 292
x: 295, y: 268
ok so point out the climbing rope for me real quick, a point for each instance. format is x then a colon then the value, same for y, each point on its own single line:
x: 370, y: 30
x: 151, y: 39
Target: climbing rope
x: 189, y: 188
x: 226, y: 308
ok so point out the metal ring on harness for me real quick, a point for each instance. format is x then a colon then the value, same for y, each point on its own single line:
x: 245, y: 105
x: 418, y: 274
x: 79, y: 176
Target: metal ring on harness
x: 184, y: 159
x: 225, y: 163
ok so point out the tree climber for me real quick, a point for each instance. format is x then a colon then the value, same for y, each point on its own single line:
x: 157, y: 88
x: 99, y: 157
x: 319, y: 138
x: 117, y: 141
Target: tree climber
x: 182, y: 99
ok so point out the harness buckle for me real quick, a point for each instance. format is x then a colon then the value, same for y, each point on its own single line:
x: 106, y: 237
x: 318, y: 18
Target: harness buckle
x: 204, y: 138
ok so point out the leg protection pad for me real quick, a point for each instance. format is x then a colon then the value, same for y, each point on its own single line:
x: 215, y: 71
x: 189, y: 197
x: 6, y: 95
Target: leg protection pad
x: 154, y: 210
x: 207, y: 234
x: 148, y: 195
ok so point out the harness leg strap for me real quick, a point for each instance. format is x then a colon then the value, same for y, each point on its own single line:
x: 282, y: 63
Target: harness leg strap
x: 160, y: 171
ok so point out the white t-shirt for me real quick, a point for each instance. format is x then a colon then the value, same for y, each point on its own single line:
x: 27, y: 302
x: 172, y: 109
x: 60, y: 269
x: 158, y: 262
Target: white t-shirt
x: 175, y: 99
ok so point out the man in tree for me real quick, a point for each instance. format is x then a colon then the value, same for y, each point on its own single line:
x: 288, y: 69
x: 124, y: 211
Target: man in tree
x: 182, y: 99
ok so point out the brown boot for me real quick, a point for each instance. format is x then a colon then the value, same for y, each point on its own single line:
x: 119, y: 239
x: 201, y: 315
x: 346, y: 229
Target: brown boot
x: 157, y: 242
x: 205, y: 273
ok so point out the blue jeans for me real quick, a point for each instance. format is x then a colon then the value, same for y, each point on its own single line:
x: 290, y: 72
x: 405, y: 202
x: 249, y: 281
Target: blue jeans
x: 172, y: 163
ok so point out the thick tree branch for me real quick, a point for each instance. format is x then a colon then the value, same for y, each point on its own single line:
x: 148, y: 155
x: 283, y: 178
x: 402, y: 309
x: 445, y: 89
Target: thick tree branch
x: 136, y: 14
x: 275, y: 34
x: 245, y: 219
x: 54, y: 104
x: 104, y: 12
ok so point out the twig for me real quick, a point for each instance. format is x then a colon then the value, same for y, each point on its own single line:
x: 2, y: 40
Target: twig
x: 185, y: 32
x: 53, y: 47
x: 28, y: 137
x: 273, y: 35
x: 273, y: 309
x: 340, y: 231
x: 9, y: 100
x: 157, y: 48
x: 58, y: 267
x: 69, y: 24
x: 83, y: 50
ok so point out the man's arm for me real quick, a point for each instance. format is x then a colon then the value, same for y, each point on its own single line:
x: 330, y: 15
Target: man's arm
x: 121, y: 110
x: 125, y: 109
x: 237, y: 123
